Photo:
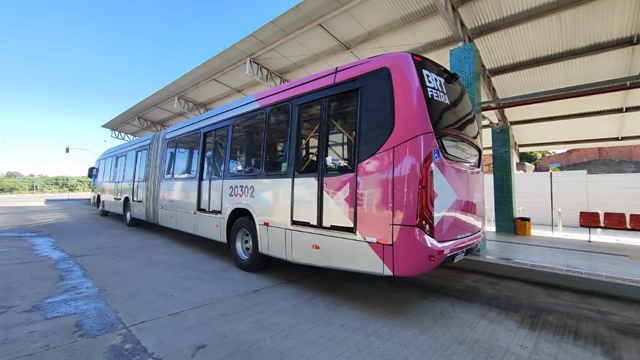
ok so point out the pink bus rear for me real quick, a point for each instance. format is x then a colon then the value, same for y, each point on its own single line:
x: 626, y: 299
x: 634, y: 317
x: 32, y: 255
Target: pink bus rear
x: 449, y: 201
x: 434, y: 173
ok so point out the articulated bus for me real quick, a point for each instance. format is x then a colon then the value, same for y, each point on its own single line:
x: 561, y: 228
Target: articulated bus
x: 373, y: 167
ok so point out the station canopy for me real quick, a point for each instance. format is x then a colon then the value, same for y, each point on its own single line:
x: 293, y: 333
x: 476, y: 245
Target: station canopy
x: 562, y: 73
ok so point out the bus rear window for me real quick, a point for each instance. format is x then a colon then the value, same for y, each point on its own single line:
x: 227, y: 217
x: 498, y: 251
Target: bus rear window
x: 451, y: 113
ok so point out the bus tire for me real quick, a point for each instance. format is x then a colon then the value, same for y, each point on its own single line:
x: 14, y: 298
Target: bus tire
x: 244, y: 245
x: 129, y: 220
x: 102, y: 211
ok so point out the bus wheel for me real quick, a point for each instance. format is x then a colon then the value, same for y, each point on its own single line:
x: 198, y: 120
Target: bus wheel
x: 128, y: 218
x: 244, y: 245
x: 102, y: 211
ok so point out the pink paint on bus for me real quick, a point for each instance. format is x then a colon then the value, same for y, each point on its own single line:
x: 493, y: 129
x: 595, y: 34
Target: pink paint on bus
x: 375, y: 186
x: 459, y: 202
x: 341, y: 190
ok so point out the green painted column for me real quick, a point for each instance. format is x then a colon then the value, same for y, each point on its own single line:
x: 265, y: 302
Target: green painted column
x: 503, y: 148
x: 465, y: 61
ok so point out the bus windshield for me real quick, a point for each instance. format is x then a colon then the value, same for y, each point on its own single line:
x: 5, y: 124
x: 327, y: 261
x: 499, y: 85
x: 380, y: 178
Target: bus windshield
x: 451, y: 113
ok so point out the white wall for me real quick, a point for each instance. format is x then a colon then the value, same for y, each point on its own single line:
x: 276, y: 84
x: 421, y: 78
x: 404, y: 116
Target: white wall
x: 533, y: 197
x: 573, y: 191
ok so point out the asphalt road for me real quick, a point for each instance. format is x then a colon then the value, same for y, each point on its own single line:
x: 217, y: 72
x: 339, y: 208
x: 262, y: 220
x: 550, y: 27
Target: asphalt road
x: 74, y: 285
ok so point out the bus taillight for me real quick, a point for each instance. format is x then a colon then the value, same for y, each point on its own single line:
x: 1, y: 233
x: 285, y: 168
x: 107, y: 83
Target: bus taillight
x: 426, y: 197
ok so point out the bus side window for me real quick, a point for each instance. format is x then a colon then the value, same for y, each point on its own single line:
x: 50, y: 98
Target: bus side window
x: 130, y: 164
x: 219, y: 152
x: 101, y: 170
x: 120, y: 166
x: 207, y: 162
x: 276, y: 154
x: 309, y: 116
x: 186, y: 156
x: 169, y: 158
x: 108, y: 169
x: 215, y: 145
x: 246, y: 144
x: 141, y: 165
x: 341, y: 133
x: 114, y: 170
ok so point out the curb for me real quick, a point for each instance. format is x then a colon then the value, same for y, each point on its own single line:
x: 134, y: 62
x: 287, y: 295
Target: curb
x: 592, y: 282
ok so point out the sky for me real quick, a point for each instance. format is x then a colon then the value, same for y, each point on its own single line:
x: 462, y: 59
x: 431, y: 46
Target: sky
x: 68, y: 67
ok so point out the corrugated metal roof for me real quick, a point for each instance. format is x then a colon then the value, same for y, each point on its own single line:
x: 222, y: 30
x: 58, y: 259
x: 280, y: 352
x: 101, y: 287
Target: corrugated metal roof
x: 555, y: 108
x: 578, y: 28
x: 526, y: 45
x: 566, y: 73
x: 482, y: 15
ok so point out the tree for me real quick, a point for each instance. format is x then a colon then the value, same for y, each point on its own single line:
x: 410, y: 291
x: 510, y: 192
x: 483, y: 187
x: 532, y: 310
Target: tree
x: 16, y: 183
x: 13, y: 175
x: 532, y: 157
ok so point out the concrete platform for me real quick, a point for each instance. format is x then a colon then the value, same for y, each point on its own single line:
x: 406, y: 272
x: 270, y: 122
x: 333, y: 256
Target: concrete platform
x: 609, y: 264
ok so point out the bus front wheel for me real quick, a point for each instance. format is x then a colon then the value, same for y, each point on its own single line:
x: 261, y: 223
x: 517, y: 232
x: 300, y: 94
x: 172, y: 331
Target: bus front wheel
x: 129, y: 220
x: 244, y: 245
x: 102, y: 211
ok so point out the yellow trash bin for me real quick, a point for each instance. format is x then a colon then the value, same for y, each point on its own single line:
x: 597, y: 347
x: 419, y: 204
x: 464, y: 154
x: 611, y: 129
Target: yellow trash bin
x: 523, y: 226
x: 518, y: 226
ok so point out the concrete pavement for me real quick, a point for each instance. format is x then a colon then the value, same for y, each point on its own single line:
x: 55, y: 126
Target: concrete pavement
x: 75, y: 285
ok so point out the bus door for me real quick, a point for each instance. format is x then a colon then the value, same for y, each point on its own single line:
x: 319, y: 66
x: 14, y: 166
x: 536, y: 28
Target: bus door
x: 139, y: 176
x: 210, y: 183
x: 119, y: 178
x: 324, y: 178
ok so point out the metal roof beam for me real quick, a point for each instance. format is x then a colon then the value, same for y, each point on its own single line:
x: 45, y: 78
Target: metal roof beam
x: 591, y: 114
x: 459, y: 3
x: 140, y: 123
x: 451, y: 16
x: 345, y: 47
x: 571, y: 92
x: 189, y: 106
x: 122, y: 136
x: 264, y: 74
x: 532, y: 17
x: 566, y: 56
x: 577, y: 142
x: 145, y: 124
x: 453, y: 20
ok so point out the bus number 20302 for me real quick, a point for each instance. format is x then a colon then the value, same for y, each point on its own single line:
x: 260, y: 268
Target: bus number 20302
x: 241, y: 191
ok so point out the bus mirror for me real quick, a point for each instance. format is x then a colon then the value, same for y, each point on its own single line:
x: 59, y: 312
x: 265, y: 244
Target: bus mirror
x: 90, y: 172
